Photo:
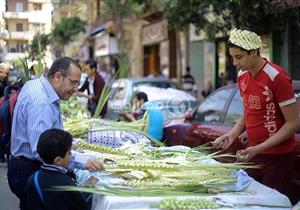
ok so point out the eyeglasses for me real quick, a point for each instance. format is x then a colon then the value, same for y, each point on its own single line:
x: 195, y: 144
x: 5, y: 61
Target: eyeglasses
x: 75, y: 83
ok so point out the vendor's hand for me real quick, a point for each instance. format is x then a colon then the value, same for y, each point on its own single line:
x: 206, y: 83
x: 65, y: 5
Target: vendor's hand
x: 93, y: 165
x: 247, y: 154
x: 89, y: 97
x: 223, y: 141
x: 79, y: 94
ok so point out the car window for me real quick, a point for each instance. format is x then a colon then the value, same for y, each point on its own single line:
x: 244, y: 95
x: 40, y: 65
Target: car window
x: 118, y: 91
x: 166, y: 85
x: 235, y: 109
x: 297, y: 93
x: 212, y: 108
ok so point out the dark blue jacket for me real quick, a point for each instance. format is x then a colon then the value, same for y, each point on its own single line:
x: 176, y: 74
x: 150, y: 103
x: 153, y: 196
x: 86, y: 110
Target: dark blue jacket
x: 53, y: 200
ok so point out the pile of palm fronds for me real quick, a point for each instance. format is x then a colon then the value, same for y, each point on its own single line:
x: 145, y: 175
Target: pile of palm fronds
x: 73, y: 109
x: 79, y: 127
x: 161, y: 171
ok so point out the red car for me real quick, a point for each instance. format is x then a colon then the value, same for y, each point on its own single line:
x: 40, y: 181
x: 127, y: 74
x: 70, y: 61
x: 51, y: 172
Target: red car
x: 215, y: 116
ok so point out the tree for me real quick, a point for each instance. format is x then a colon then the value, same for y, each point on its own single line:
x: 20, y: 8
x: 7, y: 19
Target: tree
x: 63, y: 32
x: 118, y: 10
x: 38, y: 46
x: 214, y: 16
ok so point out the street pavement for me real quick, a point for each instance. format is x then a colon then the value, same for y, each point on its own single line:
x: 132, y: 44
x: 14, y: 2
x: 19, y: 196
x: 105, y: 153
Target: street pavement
x: 8, y: 201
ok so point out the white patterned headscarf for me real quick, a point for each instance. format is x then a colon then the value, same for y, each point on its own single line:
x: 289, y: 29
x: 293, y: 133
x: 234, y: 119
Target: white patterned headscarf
x: 245, y: 39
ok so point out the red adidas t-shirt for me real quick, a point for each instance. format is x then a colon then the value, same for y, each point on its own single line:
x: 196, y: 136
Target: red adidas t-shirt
x: 263, y: 95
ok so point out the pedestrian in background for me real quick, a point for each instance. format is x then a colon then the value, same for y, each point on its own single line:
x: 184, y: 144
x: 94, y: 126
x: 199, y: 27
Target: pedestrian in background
x: 270, y: 113
x: 4, y: 73
x: 188, y: 82
x: 94, y: 85
x: 37, y: 109
x: 221, y: 80
x: 208, y: 88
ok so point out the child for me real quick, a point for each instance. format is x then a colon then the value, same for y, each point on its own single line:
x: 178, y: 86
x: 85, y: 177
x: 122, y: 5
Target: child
x: 54, y: 147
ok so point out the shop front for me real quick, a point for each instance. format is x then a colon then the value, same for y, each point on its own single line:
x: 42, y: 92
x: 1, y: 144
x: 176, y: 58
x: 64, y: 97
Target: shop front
x: 159, y: 50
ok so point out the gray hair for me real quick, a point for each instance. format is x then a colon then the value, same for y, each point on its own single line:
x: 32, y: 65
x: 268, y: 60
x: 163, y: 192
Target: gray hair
x: 61, y: 65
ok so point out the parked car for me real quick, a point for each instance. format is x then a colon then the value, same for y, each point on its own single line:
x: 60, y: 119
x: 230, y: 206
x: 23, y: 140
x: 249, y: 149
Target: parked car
x: 215, y: 116
x: 124, y: 89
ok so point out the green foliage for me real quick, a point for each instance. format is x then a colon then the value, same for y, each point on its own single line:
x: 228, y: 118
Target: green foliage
x: 215, y: 16
x: 38, y: 68
x: 123, y: 8
x: 25, y: 67
x: 64, y: 30
x: 59, y: 3
x: 261, y: 16
x: 38, y: 46
x: 124, y: 67
x: 117, y: 10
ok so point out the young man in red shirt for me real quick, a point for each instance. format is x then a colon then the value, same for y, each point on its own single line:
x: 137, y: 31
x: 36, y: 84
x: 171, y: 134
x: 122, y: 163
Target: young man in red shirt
x: 270, y: 114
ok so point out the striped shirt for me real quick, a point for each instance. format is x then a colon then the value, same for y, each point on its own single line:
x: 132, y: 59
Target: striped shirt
x: 37, y: 109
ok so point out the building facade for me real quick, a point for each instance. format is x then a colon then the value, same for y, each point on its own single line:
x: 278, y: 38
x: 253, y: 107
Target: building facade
x: 3, y: 32
x: 25, y: 18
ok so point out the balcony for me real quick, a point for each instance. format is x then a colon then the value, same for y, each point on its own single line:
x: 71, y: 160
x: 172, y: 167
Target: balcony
x: 39, y: 17
x: 16, y: 15
x: 21, y: 35
x: 11, y: 56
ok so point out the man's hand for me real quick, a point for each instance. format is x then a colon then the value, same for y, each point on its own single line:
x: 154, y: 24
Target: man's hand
x: 223, y: 141
x: 246, y: 154
x: 93, y: 165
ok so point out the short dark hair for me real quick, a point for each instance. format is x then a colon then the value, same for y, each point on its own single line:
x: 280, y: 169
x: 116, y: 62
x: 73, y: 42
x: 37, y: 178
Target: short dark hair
x: 61, y: 65
x: 188, y: 69
x: 53, y: 143
x: 231, y: 45
x: 92, y: 64
x: 142, y: 95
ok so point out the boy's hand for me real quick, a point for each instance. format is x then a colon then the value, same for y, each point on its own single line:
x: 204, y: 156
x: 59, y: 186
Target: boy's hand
x: 247, y: 154
x: 223, y: 141
x: 93, y: 165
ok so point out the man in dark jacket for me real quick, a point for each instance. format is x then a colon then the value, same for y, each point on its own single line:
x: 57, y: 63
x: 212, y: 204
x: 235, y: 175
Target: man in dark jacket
x: 94, y: 85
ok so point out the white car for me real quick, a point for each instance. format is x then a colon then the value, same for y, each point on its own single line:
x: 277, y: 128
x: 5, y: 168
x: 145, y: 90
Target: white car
x: 123, y: 90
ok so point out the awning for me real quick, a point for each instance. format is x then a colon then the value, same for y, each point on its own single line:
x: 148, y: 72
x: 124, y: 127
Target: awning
x: 97, y: 30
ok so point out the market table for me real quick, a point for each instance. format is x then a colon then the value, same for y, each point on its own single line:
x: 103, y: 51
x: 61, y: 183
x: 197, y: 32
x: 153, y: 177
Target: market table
x: 244, y: 193
x: 256, y: 196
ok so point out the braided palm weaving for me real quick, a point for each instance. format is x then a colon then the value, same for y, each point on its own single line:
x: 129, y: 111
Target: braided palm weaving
x: 245, y: 39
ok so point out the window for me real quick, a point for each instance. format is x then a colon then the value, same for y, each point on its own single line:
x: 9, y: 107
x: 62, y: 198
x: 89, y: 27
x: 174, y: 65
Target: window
x: 37, y: 6
x: 20, y: 47
x: 213, y: 108
x: 12, y: 49
x: 19, y: 26
x: 163, y: 84
x: 38, y: 27
x: 118, y: 91
x: 19, y: 7
x: 235, y: 109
